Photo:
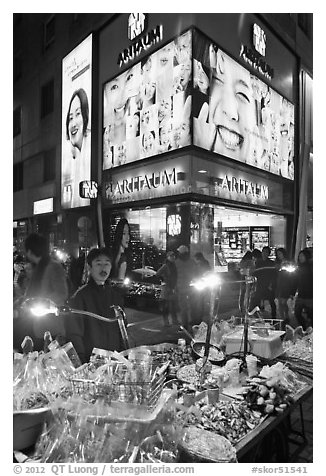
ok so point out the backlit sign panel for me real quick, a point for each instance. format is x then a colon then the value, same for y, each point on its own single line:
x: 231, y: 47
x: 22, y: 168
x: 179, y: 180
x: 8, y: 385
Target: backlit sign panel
x: 76, y: 123
x: 43, y: 206
x: 146, y: 109
x: 239, y: 116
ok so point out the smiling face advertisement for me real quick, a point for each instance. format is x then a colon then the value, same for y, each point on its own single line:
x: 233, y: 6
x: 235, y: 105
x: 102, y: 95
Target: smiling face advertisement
x: 76, y: 123
x: 146, y: 109
x: 237, y: 115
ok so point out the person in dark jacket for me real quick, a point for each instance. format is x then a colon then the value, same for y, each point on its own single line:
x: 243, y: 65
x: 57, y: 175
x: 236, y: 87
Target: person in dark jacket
x: 96, y: 296
x: 246, y: 268
x: 186, y: 269
x: 303, y: 308
x: 202, y: 263
x: 265, y: 273
x: 201, y: 304
x: 284, y: 284
x: 48, y: 280
x: 168, y: 297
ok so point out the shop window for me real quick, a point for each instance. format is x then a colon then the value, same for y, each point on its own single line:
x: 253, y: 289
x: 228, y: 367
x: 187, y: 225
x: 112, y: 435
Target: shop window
x: 17, y: 121
x: 47, y: 98
x: 149, y: 236
x: 237, y: 231
x: 49, y: 32
x: 18, y: 177
x: 49, y: 165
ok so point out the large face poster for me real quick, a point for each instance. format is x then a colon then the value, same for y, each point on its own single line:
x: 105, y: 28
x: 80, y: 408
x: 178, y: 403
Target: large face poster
x: 76, y: 123
x: 146, y: 109
x: 239, y: 116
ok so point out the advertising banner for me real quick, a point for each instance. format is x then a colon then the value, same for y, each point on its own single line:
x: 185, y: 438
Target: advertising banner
x: 239, y: 116
x: 76, y: 123
x: 146, y: 109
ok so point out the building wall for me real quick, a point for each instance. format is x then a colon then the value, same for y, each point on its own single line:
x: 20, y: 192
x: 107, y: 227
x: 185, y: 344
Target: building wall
x: 288, y: 45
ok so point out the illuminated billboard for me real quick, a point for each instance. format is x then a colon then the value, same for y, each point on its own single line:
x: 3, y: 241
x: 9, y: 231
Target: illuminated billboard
x: 76, y: 123
x: 146, y: 109
x: 239, y: 116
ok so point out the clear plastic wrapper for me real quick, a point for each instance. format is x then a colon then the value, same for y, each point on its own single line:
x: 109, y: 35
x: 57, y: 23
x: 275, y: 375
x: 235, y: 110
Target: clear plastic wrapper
x: 29, y: 386
x: 78, y: 434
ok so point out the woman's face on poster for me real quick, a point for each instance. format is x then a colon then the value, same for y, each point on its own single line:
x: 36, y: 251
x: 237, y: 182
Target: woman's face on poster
x: 132, y: 126
x: 165, y: 56
x: 125, y: 237
x: 149, y: 90
x: 120, y: 91
x: 164, y: 110
x: 165, y: 137
x: 231, y: 107
x: 182, y: 134
x: 183, y: 47
x: 76, y: 123
x: 148, y: 142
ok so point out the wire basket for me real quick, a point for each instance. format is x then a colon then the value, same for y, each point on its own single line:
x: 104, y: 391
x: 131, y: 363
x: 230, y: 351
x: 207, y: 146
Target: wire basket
x: 135, y: 384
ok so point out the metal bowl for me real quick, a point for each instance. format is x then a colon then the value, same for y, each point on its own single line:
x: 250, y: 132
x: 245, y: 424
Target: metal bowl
x: 198, y: 349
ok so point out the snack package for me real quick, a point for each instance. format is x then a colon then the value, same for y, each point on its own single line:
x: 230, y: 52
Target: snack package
x: 201, y: 332
x: 29, y: 386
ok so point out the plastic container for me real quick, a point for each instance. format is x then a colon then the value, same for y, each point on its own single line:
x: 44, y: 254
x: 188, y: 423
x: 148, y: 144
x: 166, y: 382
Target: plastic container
x: 268, y: 347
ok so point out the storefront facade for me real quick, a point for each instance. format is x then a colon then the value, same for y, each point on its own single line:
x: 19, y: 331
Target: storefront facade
x: 212, y: 198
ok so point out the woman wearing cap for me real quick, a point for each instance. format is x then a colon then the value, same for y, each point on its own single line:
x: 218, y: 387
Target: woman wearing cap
x: 186, y: 272
x: 169, y: 301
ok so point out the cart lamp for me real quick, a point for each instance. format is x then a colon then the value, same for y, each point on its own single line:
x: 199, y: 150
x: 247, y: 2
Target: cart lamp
x: 290, y: 268
x: 208, y: 281
x: 40, y: 307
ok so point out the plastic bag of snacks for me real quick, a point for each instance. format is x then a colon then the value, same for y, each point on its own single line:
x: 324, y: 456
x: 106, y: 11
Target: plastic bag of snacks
x: 79, y: 434
x: 29, y: 385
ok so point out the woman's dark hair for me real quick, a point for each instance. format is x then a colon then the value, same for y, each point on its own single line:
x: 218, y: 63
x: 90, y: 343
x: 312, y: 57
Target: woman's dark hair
x: 247, y: 255
x: 118, y: 235
x: 283, y: 251
x: 38, y: 245
x: 256, y: 253
x: 96, y: 252
x: 306, y: 253
x: 150, y: 132
x: 84, y: 110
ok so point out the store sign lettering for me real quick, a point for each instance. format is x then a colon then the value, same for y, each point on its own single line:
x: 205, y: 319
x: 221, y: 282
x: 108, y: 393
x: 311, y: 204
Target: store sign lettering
x: 174, y: 225
x: 144, y: 43
x: 259, y: 39
x: 245, y: 187
x: 136, y: 25
x: 140, y: 183
x: 255, y: 60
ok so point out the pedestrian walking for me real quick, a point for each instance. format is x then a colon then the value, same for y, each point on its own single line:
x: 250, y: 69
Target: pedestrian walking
x: 168, y: 298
